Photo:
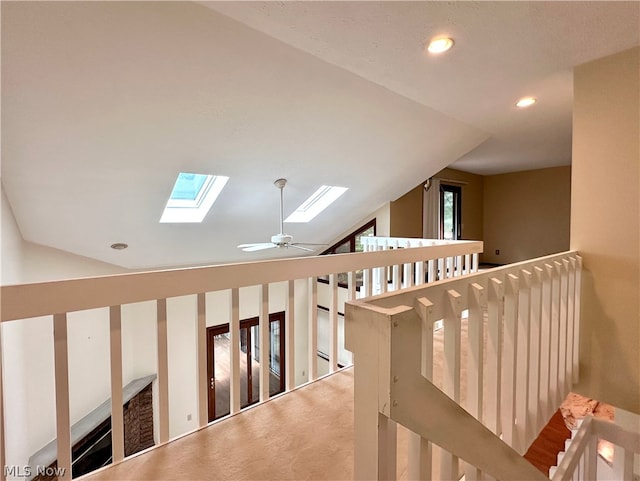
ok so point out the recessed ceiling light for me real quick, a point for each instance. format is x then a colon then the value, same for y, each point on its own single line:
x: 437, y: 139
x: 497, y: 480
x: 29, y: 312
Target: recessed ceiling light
x: 440, y: 45
x: 192, y: 197
x: 525, y: 102
x: 119, y: 246
x: 319, y: 201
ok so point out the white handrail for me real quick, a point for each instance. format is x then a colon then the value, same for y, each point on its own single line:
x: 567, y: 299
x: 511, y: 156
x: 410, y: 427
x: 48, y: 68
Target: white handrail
x: 57, y: 298
x: 520, y: 311
x: 581, y: 456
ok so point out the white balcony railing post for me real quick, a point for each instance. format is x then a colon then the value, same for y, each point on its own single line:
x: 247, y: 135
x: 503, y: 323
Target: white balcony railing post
x: 201, y: 352
x: 494, y: 361
x: 313, y: 329
x: 509, y: 339
x: 290, y: 337
x: 264, y: 326
x: 163, y: 371
x: 524, y: 431
x: 333, y: 323
x: 117, y: 415
x: 63, y: 421
x: 234, y: 338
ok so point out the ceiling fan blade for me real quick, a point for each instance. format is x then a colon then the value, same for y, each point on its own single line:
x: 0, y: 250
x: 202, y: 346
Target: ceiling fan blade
x: 307, y: 244
x: 297, y: 246
x: 256, y: 247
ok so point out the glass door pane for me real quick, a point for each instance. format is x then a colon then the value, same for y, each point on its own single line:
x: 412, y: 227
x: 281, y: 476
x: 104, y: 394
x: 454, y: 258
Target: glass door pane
x: 221, y: 370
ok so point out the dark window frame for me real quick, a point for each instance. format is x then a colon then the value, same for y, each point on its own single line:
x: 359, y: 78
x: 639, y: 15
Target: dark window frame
x: 456, y: 190
x: 351, y: 239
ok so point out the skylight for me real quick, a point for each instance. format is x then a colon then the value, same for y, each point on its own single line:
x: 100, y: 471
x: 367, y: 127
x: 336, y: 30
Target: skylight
x: 192, y: 197
x: 319, y: 201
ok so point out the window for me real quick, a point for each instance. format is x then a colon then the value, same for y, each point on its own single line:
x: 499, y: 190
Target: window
x: 319, y: 201
x: 192, y: 197
x: 351, y: 243
x: 450, y: 212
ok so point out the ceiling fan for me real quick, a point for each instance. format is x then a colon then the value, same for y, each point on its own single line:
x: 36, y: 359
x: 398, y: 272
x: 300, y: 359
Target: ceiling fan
x: 280, y: 240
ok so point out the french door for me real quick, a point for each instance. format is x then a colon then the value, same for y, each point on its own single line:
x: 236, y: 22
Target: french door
x: 219, y: 363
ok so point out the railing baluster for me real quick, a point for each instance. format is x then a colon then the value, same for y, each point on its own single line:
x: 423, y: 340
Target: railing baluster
x: 451, y: 369
x: 264, y: 326
x: 467, y: 264
x: 63, y: 424
x: 290, y: 337
x: 420, y: 455
x: 534, y: 404
x: 545, y: 344
x: 313, y: 328
x: 395, y: 278
x: 419, y: 280
x: 459, y: 267
x: 431, y: 270
x: 510, y: 336
x: 441, y: 269
x: 493, y: 367
x: 333, y: 323
x: 475, y: 356
x: 408, y: 278
x: 523, y: 427
x: 563, y: 339
x: 163, y: 371
x: 117, y: 416
x: 571, y: 297
x: 234, y: 336
x: 554, y: 375
x: 203, y: 381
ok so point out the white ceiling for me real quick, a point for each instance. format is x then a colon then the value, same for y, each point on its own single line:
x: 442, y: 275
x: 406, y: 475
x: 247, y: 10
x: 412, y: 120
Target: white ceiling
x: 103, y: 103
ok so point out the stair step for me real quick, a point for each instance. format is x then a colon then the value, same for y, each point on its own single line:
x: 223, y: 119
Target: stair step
x: 543, y: 453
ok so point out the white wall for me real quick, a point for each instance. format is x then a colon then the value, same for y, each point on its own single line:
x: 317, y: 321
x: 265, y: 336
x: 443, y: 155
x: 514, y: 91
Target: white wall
x: 27, y: 346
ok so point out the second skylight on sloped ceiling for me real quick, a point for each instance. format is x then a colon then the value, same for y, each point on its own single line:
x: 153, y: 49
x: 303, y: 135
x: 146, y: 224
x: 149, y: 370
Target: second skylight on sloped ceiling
x: 319, y: 201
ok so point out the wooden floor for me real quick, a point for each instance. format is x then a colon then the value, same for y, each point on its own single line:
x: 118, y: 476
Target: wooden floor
x: 543, y: 453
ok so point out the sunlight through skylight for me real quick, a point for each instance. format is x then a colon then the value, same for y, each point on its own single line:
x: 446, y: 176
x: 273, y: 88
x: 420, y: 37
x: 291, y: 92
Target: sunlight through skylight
x: 192, y: 196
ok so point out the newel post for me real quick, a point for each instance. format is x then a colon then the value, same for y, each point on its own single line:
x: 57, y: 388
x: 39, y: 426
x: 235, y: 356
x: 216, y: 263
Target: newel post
x: 368, y: 337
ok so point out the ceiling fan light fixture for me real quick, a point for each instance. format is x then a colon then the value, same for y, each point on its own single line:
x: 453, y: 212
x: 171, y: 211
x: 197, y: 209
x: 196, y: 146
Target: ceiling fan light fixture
x: 440, y: 45
x: 526, y: 102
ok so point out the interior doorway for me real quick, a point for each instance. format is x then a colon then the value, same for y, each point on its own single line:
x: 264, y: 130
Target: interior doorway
x: 219, y: 363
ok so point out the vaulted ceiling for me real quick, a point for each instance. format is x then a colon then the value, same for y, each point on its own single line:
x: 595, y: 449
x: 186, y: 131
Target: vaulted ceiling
x: 103, y: 103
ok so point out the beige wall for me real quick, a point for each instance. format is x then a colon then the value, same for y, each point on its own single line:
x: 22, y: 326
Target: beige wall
x: 406, y: 214
x: 526, y: 214
x: 406, y: 211
x: 605, y: 225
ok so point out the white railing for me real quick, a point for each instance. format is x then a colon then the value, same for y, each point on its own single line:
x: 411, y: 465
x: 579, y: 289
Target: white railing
x: 407, y: 275
x: 59, y: 299
x: 580, y: 459
x: 521, y: 349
